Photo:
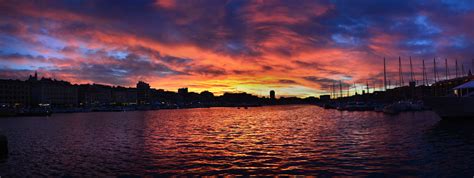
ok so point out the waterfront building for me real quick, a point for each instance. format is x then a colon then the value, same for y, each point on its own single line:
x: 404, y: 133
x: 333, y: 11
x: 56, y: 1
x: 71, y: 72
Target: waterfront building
x: 14, y: 93
x: 443, y: 88
x: 125, y: 96
x: 162, y: 96
x: 143, y: 93
x: 183, y: 91
x: 52, y: 92
x: 239, y: 98
x: 95, y: 94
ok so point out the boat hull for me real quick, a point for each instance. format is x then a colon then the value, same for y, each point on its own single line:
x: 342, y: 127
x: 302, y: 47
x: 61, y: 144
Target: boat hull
x: 452, y: 107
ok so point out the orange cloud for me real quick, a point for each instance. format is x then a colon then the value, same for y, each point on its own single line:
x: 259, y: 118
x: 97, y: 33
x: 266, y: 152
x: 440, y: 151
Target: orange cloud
x: 296, y: 48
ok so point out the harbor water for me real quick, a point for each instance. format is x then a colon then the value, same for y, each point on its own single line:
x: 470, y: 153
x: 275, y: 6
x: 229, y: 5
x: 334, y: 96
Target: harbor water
x: 273, y: 140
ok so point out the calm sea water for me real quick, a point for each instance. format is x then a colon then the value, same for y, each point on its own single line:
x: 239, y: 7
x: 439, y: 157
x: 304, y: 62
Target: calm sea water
x: 279, y: 140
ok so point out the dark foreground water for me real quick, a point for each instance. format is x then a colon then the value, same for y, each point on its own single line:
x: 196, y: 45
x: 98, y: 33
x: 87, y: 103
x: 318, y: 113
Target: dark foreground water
x: 291, y: 140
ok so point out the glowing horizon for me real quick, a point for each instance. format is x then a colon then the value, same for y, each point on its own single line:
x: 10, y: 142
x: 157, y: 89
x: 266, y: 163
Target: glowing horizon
x: 295, y: 48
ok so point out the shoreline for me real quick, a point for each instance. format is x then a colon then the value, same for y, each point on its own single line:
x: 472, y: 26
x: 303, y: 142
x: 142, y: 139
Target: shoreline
x: 92, y: 110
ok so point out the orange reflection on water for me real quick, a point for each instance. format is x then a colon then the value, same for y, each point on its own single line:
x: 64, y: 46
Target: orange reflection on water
x: 216, y: 139
x: 271, y: 140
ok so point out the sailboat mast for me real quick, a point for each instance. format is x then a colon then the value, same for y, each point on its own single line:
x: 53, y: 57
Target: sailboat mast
x: 340, y: 88
x: 400, y: 73
x: 411, y: 71
x: 456, y: 68
x: 424, y: 73
x: 355, y: 89
x: 384, y: 74
x: 333, y: 90
x: 446, y: 63
x: 434, y: 69
x: 348, y: 89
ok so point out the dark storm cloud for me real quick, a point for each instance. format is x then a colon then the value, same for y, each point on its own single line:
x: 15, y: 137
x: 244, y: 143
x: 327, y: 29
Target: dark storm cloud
x: 116, y: 73
x: 20, y: 74
x: 175, y: 60
x: 17, y: 56
x: 326, y: 82
x: 224, y: 26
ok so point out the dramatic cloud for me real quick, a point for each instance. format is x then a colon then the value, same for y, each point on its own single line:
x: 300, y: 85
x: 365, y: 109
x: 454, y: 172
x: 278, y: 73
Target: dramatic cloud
x: 294, y: 47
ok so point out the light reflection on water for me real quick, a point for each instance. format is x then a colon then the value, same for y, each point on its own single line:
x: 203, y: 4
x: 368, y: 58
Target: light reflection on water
x: 294, y: 140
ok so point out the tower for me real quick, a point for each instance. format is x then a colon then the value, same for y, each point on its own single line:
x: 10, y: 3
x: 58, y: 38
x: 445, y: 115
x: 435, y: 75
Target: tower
x: 368, y: 91
x: 272, y: 94
x: 33, y: 78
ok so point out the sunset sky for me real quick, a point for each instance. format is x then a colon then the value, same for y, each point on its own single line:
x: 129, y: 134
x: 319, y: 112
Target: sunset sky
x: 297, y: 48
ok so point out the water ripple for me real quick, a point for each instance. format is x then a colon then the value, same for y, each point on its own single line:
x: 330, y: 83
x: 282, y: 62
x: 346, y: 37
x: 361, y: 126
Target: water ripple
x: 280, y: 140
